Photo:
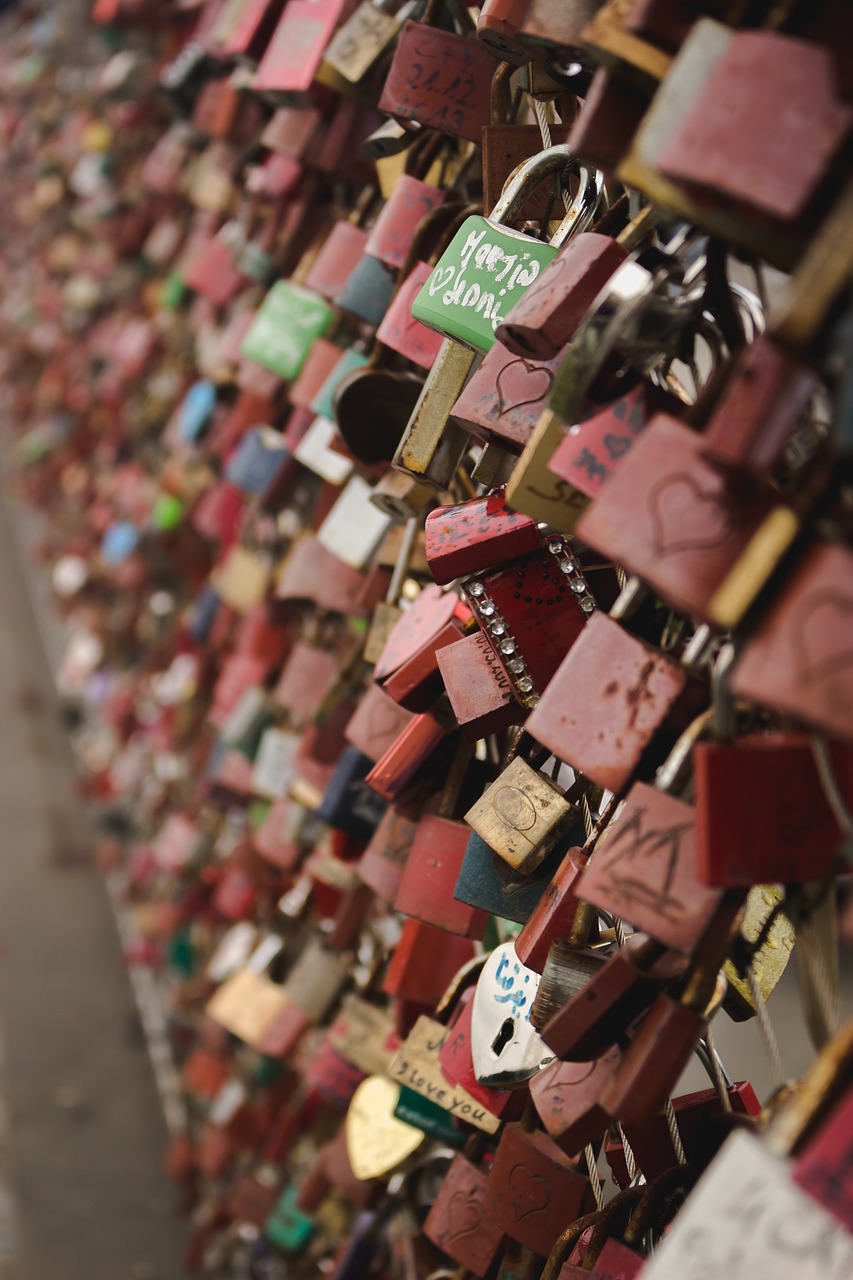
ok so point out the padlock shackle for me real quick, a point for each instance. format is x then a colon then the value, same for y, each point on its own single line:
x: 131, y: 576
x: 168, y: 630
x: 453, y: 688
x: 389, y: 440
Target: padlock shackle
x: 670, y: 770
x: 527, y: 177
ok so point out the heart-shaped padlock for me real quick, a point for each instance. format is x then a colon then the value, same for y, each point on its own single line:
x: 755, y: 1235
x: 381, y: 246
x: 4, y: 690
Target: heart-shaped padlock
x: 505, y: 1049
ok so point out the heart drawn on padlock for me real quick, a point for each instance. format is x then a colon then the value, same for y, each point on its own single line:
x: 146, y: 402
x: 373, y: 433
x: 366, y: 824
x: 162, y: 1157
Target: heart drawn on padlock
x: 463, y: 1215
x: 677, y: 497
x: 823, y: 617
x: 505, y: 1048
x: 510, y: 399
x: 528, y: 1192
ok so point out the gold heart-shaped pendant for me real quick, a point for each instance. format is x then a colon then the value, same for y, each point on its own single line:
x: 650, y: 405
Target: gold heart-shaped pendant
x: 376, y: 1140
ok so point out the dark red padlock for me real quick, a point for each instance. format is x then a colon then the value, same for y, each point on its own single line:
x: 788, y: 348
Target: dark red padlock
x: 440, y: 80
x: 459, y: 1223
x: 763, y: 400
x: 798, y: 657
x: 554, y: 914
x: 824, y: 1167
x: 376, y: 722
x: 762, y: 815
x: 432, y: 867
x: 644, y: 869
x: 566, y: 1097
x: 408, y: 204
x: 534, y: 1189
x: 532, y: 610
x: 424, y: 962
x: 546, y: 317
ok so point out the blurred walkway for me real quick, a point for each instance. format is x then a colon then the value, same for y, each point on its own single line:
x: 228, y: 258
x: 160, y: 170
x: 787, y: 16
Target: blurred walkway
x: 81, y: 1130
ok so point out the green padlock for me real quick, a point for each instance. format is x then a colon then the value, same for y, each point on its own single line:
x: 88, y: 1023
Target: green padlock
x: 287, y: 1227
x: 282, y: 333
x: 488, y: 266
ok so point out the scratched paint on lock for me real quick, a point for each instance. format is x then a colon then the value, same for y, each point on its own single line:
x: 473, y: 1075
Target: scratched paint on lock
x: 645, y: 869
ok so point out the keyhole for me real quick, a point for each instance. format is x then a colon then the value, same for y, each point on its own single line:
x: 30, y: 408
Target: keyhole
x: 503, y: 1037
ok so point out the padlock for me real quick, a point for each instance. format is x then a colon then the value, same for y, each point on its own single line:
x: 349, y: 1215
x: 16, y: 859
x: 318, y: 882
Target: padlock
x: 367, y: 290
x: 476, y: 535
x: 321, y: 360
x: 399, y: 330
x: 506, y: 1049
x: 401, y: 215
x: 554, y: 914
x: 600, y: 1013
x: 773, y: 188
x: 486, y: 881
x: 593, y: 450
x: 433, y: 446
x: 284, y: 328
x: 438, y: 79
x: 531, y: 610
x: 645, y: 867
x: 286, y: 72
x: 506, y: 397
x: 543, y: 320
x: 287, y: 1227
x: 456, y: 1059
x: 670, y: 1030
x: 765, y: 397
x: 305, y: 681
x: 459, y: 1223
x: 376, y: 723
x: 690, y: 523
x: 349, y: 803
x: 607, y: 672
x: 796, y: 657
x: 359, y: 44
x: 520, y: 816
x: 465, y: 296
x: 534, y: 1189
x: 786, y: 832
x: 256, y: 460
x: 701, y: 1128
x: 498, y: 26
x: 331, y: 268
x: 477, y: 687
x: 405, y: 758
x: 353, y: 528
x: 507, y: 145
x: 424, y: 962
x: 566, y: 1098
x: 432, y: 867
x: 435, y: 619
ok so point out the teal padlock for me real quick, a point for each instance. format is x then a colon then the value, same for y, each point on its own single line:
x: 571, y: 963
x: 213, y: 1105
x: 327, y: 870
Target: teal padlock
x: 287, y: 323
x: 488, y: 265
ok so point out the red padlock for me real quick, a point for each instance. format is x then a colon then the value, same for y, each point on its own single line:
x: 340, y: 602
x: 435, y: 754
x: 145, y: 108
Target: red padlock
x: 606, y: 701
x: 475, y: 536
x: 798, y: 657
x: 534, y: 1189
x: 672, y: 519
x: 459, y: 1222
